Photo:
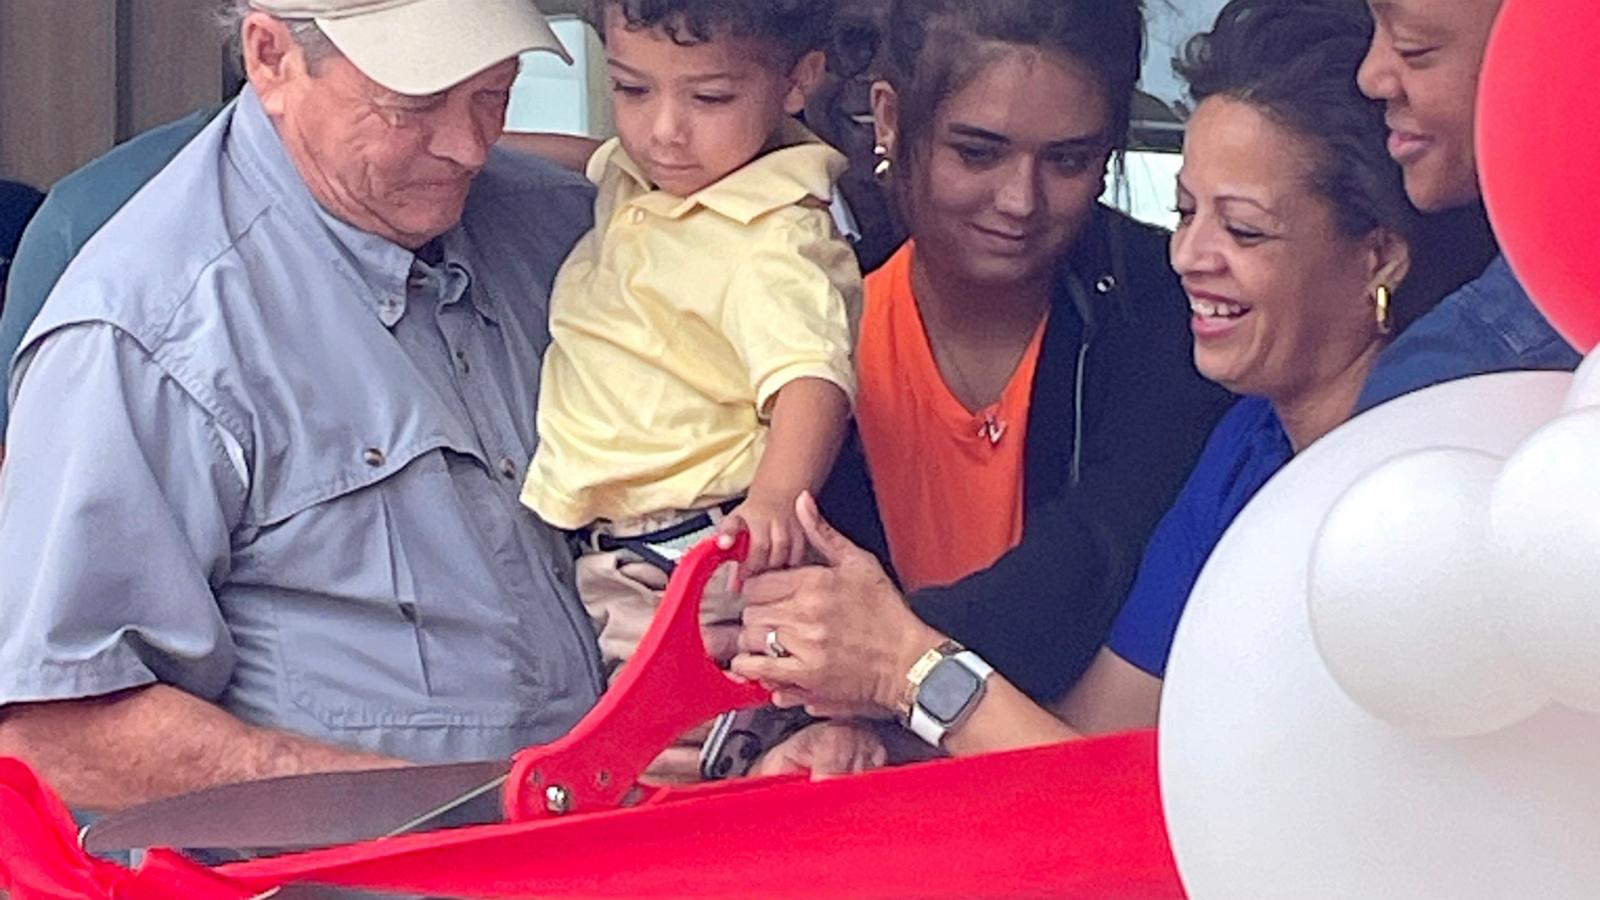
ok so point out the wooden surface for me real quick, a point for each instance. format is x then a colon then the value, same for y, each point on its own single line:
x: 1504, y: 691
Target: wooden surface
x: 173, y: 61
x: 58, y: 102
x: 77, y: 76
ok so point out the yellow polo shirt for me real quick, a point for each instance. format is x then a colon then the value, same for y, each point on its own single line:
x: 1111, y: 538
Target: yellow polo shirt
x: 673, y: 325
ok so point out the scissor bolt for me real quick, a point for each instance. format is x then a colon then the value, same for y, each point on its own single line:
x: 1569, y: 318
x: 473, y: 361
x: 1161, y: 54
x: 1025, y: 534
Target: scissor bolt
x: 557, y: 799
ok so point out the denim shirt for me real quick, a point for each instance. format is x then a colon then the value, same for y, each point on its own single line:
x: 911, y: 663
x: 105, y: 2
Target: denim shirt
x: 1489, y: 325
x: 274, y: 461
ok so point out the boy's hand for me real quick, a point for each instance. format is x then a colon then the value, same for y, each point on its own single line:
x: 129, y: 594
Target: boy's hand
x: 776, y: 538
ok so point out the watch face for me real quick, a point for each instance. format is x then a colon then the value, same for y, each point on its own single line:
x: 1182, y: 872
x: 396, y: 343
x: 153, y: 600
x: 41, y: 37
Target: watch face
x: 947, y: 690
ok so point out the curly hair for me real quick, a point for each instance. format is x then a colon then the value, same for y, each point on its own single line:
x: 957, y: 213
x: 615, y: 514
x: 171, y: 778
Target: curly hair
x: 797, y: 27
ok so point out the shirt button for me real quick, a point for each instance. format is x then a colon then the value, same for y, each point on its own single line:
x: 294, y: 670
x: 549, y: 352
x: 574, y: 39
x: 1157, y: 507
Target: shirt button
x: 1106, y: 284
x: 637, y: 216
x: 508, y: 468
x: 373, y: 457
x: 462, y: 365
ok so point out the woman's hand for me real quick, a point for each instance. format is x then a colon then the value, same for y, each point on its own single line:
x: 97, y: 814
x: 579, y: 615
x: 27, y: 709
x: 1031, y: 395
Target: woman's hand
x: 824, y: 749
x: 849, y: 637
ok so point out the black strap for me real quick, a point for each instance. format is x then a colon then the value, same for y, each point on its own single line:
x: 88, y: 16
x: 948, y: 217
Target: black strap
x: 643, y: 544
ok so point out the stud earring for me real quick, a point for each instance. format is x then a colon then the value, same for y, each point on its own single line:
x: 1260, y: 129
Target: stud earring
x: 1384, y: 295
x: 885, y: 166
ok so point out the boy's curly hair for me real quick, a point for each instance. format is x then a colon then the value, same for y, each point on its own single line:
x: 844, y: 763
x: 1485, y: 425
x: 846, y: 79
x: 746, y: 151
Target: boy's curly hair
x: 797, y: 27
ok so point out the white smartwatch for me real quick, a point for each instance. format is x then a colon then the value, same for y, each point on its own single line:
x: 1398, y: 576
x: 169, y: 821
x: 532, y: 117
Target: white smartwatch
x: 952, y: 681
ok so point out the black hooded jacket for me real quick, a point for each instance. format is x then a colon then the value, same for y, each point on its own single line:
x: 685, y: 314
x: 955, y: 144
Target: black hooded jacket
x: 1117, y: 419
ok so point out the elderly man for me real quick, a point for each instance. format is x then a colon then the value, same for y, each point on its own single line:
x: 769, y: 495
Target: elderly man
x: 259, y: 515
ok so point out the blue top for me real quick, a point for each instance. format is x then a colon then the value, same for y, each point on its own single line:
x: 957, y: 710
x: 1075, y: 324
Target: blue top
x: 274, y: 461
x: 1489, y: 325
x: 73, y: 211
x: 1247, y: 448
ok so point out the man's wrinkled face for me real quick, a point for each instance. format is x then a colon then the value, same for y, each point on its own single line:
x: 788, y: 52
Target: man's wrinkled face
x: 394, y: 165
x: 839, y: 110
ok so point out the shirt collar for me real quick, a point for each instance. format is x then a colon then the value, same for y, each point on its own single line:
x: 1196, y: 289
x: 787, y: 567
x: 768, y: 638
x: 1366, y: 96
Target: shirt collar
x: 386, y: 268
x: 803, y: 167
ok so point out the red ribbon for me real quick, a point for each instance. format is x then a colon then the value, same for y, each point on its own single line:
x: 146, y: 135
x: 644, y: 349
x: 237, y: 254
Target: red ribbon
x: 1081, y: 819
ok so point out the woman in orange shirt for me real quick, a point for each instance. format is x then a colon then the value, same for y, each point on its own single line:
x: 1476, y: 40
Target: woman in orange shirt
x: 1024, y: 360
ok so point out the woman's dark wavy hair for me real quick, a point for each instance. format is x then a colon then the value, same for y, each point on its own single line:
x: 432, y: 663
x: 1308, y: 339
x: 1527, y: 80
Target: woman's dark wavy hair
x: 1296, y: 61
x: 937, y: 47
x: 795, y: 26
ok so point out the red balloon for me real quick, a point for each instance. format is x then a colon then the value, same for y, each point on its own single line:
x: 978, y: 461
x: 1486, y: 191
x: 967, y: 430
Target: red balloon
x: 1538, y: 115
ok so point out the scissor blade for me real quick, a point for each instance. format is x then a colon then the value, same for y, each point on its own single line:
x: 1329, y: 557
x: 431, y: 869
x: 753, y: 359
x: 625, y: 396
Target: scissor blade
x: 303, y: 811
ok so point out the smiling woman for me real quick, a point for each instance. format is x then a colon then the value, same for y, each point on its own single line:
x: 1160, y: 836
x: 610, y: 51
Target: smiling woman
x: 1028, y: 347
x: 1292, y: 242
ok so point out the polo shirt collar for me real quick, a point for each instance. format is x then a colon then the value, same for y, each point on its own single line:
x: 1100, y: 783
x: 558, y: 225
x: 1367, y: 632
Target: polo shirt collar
x: 803, y: 167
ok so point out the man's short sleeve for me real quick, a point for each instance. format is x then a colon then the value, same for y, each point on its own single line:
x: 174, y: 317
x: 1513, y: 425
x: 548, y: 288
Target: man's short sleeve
x: 791, y: 305
x: 118, y: 498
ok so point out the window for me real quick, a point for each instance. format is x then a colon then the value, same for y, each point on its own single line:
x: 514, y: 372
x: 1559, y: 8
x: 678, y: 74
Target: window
x: 1159, y: 113
x: 552, y: 96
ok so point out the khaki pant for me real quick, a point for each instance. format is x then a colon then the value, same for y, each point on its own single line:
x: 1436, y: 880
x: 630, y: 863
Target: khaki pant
x: 622, y: 592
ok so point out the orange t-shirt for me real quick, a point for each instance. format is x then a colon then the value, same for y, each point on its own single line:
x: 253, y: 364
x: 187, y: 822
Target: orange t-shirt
x: 949, y: 482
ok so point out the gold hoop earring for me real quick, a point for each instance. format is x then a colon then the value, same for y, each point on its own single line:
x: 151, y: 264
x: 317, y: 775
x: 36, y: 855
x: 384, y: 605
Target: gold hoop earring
x: 885, y: 166
x: 1384, y: 295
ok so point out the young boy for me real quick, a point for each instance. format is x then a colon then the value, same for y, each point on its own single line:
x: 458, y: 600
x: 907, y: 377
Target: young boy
x: 699, y: 376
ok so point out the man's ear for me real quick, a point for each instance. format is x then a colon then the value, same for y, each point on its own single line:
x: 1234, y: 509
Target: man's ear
x: 272, y: 59
x: 885, y: 115
x: 803, y: 80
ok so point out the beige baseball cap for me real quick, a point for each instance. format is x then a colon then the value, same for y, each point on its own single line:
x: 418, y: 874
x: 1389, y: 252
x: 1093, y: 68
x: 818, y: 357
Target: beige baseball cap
x: 420, y: 47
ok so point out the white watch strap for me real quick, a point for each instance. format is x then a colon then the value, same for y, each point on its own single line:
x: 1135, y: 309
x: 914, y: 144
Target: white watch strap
x: 927, y: 727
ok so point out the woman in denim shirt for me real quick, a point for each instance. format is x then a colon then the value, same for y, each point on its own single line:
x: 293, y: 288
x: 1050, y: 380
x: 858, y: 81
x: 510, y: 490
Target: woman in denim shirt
x: 1423, y: 64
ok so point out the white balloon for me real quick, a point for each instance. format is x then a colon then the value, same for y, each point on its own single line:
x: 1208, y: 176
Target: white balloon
x: 1585, y: 384
x: 1545, y: 517
x: 1404, y: 598
x: 1277, y: 784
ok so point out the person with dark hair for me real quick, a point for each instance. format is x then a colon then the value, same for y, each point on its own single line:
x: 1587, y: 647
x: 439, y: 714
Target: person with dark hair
x: 1423, y: 66
x: 1292, y: 246
x: 839, y: 110
x: 1024, y: 359
x: 698, y: 378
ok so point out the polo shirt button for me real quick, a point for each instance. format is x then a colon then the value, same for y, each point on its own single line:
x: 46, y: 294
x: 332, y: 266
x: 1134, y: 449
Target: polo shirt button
x: 1106, y: 284
x: 373, y: 457
x: 508, y: 468
x: 461, y: 363
x: 637, y: 216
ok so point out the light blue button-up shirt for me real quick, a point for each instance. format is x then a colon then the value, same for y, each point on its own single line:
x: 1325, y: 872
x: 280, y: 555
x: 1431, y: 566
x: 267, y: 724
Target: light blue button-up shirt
x: 274, y: 461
